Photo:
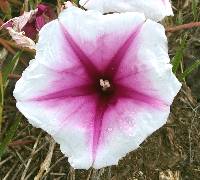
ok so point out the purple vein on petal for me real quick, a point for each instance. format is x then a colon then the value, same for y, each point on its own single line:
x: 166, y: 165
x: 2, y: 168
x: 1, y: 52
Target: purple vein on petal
x: 127, y: 92
x: 69, y: 116
x: 89, y: 67
x: 83, y: 90
x: 101, y: 108
x: 117, y: 59
x: 164, y: 2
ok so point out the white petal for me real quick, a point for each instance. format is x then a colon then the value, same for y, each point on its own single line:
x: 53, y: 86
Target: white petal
x: 135, y: 124
x: 52, y: 114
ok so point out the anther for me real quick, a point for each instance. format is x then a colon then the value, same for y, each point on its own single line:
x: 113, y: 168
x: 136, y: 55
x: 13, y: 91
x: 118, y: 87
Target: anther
x: 104, y: 84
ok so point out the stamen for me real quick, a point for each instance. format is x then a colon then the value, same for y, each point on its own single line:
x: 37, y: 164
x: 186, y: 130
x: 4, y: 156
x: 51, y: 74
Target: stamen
x: 105, y: 84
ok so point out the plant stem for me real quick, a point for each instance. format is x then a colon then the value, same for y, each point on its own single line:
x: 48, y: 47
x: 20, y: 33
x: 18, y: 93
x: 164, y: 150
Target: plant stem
x: 14, y: 76
x: 182, y: 27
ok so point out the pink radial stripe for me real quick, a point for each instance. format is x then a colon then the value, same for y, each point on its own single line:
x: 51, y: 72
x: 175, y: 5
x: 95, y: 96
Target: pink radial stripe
x: 101, y: 108
x: 89, y: 67
x: 83, y: 90
x: 76, y: 110
x: 131, y: 74
x: 139, y: 97
x: 118, y: 57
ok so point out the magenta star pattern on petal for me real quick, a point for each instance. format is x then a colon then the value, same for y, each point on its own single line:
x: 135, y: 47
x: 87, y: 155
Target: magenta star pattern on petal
x: 99, y: 84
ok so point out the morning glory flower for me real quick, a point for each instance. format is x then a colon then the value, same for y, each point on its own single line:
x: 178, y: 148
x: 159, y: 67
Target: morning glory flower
x: 99, y: 84
x: 153, y: 9
x: 15, y: 26
x: 24, y: 29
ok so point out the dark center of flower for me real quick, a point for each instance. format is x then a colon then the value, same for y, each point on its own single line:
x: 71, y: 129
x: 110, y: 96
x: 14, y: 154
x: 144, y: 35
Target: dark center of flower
x: 105, y: 88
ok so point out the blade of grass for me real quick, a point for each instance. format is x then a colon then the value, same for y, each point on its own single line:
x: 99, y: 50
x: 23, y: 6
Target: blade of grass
x: 194, y: 10
x: 76, y: 2
x: 7, y: 46
x: 190, y: 70
x: 9, y: 68
x: 2, y: 100
x: 179, y: 18
x: 176, y: 60
x: 10, y: 134
x: 4, y: 73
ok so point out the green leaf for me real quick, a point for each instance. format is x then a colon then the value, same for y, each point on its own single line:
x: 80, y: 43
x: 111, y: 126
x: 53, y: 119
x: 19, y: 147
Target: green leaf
x: 176, y: 60
x: 10, y: 134
x: 189, y: 70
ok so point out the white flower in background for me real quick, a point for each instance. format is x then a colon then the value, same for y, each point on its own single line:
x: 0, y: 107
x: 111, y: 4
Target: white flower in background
x: 153, y: 9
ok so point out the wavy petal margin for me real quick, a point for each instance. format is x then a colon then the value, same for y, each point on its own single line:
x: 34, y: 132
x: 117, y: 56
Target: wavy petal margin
x: 99, y: 84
